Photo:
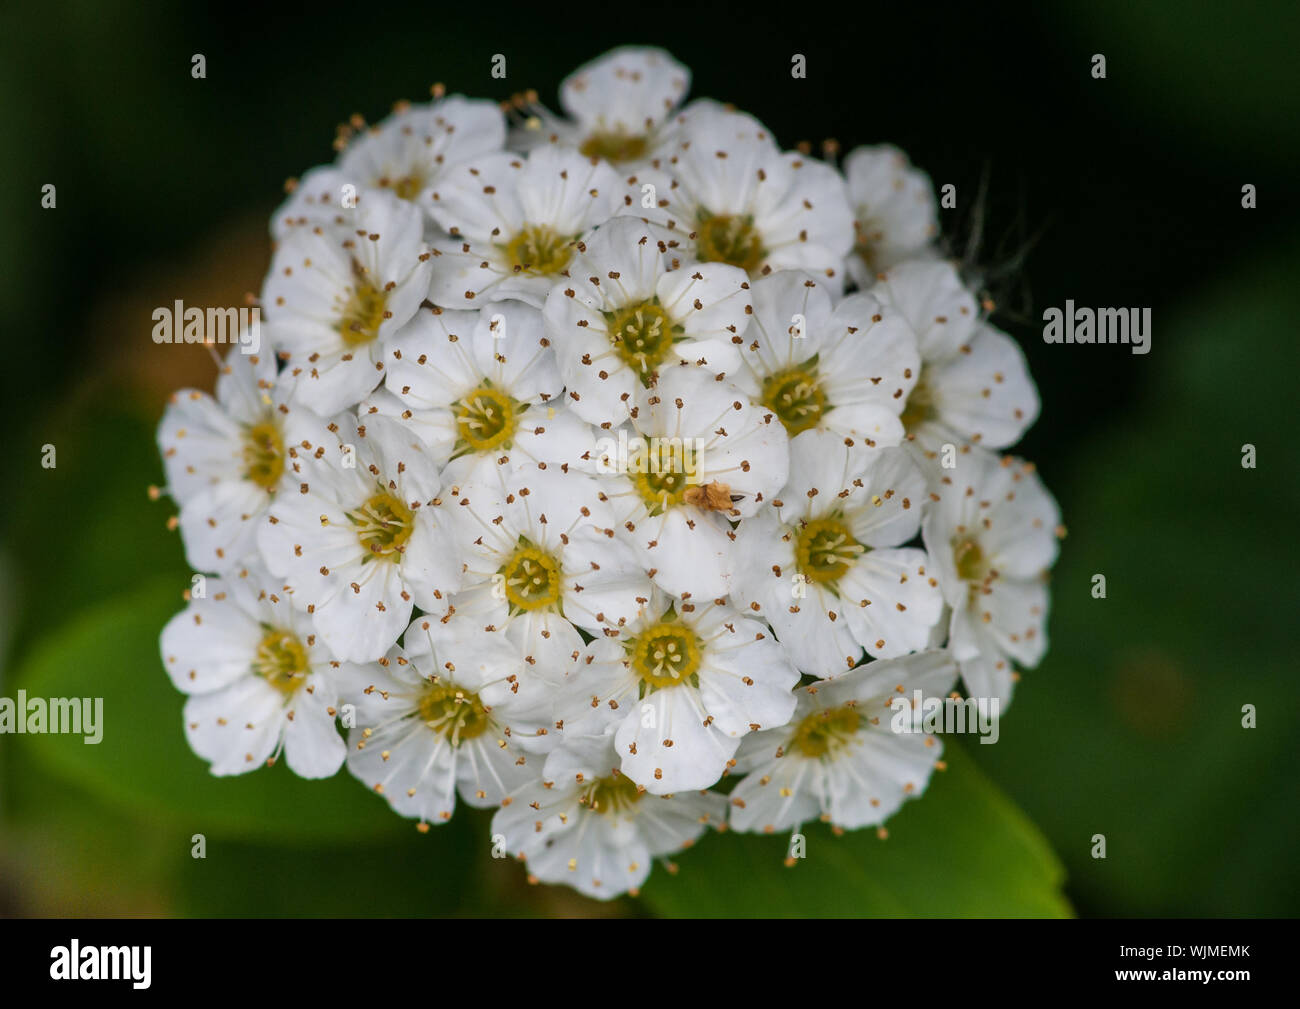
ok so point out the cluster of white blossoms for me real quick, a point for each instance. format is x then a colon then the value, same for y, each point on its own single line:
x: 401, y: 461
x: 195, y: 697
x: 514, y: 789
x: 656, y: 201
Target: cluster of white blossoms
x: 615, y: 470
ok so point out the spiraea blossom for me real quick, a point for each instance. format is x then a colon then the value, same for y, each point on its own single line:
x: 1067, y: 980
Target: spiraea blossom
x: 362, y: 540
x: 406, y: 155
x: 622, y: 316
x: 992, y: 536
x: 431, y: 721
x: 479, y: 386
x: 619, y: 107
x: 616, y: 470
x: 336, y: 295
x: 541, y: 562
x: 586, y: 824
x: 840, y: 758
x: 411, y: 152
x: 227, y: 457
x: 728, y: 194
x: 259, y: 680
x: 696, y: 678
x: 848, y: 369
x: 713, y: 458
x: 825, y: 564
x: 514, y: 223
x: 895, y: 217
x: 974, y: 386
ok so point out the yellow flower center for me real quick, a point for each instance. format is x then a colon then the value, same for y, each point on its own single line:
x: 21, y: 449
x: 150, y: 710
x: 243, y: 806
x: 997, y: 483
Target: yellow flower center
x: 865, y: 247
x: 263, y: 455
x: 825, y: 550
x: 666, y: 655
x: 363, y: 314
x: 664, y: 474
x: 282, y: 661
x: 728, y: 239
x: 383, y: 525
x: 487, y: 418
x: 538, y: 249
x: 532, y: 578
x: 795, y: 396
x: 611, y: 795
x: 408, y: 187
x: 614, y: 146
x: 454, y: 713
x: 824, y: 732
x: 642, y: 334
x: 969, y: 560
x: 920, y: 405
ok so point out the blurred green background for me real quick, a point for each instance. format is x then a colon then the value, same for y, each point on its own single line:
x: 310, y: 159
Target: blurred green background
x: 1128, y: 190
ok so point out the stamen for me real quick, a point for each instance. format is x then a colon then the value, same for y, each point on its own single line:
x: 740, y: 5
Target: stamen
x: 826, y: 549
x: 538, y: 249
x: 454, y: 713
x: 727, y: 239
x: 823, y: 733
x: 383, y: 524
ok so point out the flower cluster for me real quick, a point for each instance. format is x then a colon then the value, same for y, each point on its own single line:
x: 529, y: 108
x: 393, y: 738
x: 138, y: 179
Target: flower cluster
x: 616, y: 470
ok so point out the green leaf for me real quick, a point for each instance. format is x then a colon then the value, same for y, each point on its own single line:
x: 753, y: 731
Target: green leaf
x: 144, y: 763
x: 960, y: 850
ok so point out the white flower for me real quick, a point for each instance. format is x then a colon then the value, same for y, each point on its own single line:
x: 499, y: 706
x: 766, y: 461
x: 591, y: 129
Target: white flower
x: 695, y: 679
x: 540, y: 557
x: 515, y: 222
x: 622, y: 315
x: 824, y: 565
x: 431, y: 720
x: 335, y: 297
x: 840, y: 759
x: 317, y: 200
x: 848, y: 370
x: 411, y: 152
x: 483, y: 386
x: 974, y: 385
x: 619, y: 106
x: 567, y: 460
x: 227, y: 457
x: 894, y: 211
x: 708, y: 117
x: 992, y: 537
x: 730, y: 196
x: 406, y: 155
x: 559, y: 702
x: 700, y: 455
x: 589, y: 826
x: 259, y: 680
x: 362, y: 540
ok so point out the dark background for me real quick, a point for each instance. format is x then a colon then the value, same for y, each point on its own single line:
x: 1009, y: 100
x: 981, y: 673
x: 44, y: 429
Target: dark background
x: 1117, y: 192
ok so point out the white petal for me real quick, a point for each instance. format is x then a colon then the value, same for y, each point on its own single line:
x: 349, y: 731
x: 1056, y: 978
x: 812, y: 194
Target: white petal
x: 934, y: 302
x: 313, y: 747
x: 987, y: 394
x: 903, y: 606
x: 212, y: 642
x: 626, y: 90
x: 674, y: 750
x: 237, y: 727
